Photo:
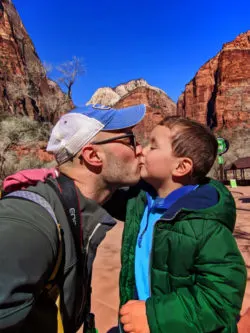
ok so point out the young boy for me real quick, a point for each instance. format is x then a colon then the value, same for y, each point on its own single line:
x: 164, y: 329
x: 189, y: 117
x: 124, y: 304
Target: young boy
x: 181, y: 267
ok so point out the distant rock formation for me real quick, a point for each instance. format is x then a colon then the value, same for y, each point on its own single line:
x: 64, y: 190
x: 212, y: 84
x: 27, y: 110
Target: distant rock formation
x: 110, y: 96
x: 219, y: 94
x: 24, y: 87
x: 135, y: 92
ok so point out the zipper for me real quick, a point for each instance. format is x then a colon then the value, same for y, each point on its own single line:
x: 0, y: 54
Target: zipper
x: 150, y: 265
x: 85, y: 285
x: 151, y: 251
x: 144, y: 231
x: 146, y: 227
x: 170, y: 219
x: 91, y: 236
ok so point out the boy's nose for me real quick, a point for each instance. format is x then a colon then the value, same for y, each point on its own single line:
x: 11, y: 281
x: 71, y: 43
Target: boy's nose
x: 145, y: 149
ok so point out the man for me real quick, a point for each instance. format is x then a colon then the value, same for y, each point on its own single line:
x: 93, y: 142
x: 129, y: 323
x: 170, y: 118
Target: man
x: 96, y: 153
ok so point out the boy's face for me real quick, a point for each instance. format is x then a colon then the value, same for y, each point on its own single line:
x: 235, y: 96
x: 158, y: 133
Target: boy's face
x: 158, y: 161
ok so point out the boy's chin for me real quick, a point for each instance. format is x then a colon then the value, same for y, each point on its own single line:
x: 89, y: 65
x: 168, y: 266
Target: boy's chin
x: 143, y: 176
x: 143, y: 173
x: 146, y: 179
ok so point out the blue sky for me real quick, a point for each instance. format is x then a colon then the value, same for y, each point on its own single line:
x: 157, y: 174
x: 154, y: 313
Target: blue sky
x: 164, y: 42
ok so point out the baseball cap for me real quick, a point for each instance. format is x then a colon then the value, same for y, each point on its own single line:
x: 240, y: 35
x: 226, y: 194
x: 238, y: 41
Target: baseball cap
x: 79, y: 126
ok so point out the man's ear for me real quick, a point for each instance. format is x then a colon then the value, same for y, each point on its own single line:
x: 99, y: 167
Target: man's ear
x: 91, y: 156
x: 184, y: 167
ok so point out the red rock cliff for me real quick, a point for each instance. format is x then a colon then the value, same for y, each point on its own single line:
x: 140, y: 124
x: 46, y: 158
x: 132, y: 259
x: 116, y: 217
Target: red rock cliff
x: 24, y: 87
x: 219, y: 94
x: 135, y: 92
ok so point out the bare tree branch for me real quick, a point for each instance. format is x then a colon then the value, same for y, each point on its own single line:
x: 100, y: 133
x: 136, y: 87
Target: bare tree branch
x: 70, y: 71
x: 47, y: 67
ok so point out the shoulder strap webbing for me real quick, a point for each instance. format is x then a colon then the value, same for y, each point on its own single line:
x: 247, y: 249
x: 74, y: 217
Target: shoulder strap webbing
x: 51, y: 288
x: 67, y: 193
x: 31, y: 196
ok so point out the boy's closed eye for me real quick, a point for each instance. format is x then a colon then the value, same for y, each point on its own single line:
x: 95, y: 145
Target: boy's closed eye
x: 152, y: 144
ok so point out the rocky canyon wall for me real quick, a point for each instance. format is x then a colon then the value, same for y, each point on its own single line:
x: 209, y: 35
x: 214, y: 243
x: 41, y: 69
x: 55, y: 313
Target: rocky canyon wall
x: 24, y: 86
x: 219, y: 94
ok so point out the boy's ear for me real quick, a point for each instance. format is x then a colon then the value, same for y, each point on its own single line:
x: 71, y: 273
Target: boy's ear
x: 90, y: 156
x: 184, y: 167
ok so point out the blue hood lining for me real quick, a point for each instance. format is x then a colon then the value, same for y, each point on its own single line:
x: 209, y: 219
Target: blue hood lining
x: 203, y: 197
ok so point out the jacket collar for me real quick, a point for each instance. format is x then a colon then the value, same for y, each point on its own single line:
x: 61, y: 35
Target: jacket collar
x: 203, y: 197
x: 158, y: 204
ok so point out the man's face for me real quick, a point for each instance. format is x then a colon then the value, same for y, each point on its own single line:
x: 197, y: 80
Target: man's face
x: 157, y: 160
x: 120, y: 157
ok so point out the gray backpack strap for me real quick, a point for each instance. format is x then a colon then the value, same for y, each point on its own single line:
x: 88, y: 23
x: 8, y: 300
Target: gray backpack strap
x: 51, y: 287
x: 32, y: 196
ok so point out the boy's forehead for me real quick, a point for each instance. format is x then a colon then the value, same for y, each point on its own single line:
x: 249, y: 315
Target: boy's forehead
x: 161, y: 131
x: 175, y: 130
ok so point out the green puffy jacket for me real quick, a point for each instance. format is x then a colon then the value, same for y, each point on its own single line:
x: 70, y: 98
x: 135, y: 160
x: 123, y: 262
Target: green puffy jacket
x: 198, y: 275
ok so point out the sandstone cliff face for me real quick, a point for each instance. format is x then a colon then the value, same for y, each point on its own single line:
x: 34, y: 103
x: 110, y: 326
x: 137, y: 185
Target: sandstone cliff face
x: 219, y: 94
x: 135, y: 92
x: 158, y: 105
x: 24, y: 87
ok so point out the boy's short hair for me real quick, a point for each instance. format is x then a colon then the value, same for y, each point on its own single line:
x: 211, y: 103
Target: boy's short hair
x: 194, y: 140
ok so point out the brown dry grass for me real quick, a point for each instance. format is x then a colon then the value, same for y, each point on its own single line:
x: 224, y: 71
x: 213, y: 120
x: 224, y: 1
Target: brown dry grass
x: 20, y: 131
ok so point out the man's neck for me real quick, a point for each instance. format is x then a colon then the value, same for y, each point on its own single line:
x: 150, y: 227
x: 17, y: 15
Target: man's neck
x: 94, y: 191
x: 89, y: 184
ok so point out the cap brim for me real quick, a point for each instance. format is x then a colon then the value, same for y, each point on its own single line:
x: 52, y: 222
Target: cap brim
x: 114, y: 119
x: 125, y: 118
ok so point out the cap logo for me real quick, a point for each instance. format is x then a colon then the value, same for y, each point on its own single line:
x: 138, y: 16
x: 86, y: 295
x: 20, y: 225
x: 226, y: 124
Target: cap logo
x: 101, y: 107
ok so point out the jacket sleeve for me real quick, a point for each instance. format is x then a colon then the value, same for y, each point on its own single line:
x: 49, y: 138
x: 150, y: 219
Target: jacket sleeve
x: 27, y: 258
x: 214, y: 301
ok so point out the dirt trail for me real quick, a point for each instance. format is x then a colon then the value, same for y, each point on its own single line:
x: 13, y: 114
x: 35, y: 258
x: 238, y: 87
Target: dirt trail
x: 105, y: 298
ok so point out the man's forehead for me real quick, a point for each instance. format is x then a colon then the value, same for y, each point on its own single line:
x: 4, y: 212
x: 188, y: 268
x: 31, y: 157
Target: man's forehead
x: 123, y: 130
x: 102, y: 135
x: 120, y: 131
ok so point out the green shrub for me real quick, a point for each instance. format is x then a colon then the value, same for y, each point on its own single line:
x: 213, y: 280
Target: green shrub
x: 20, y: 131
